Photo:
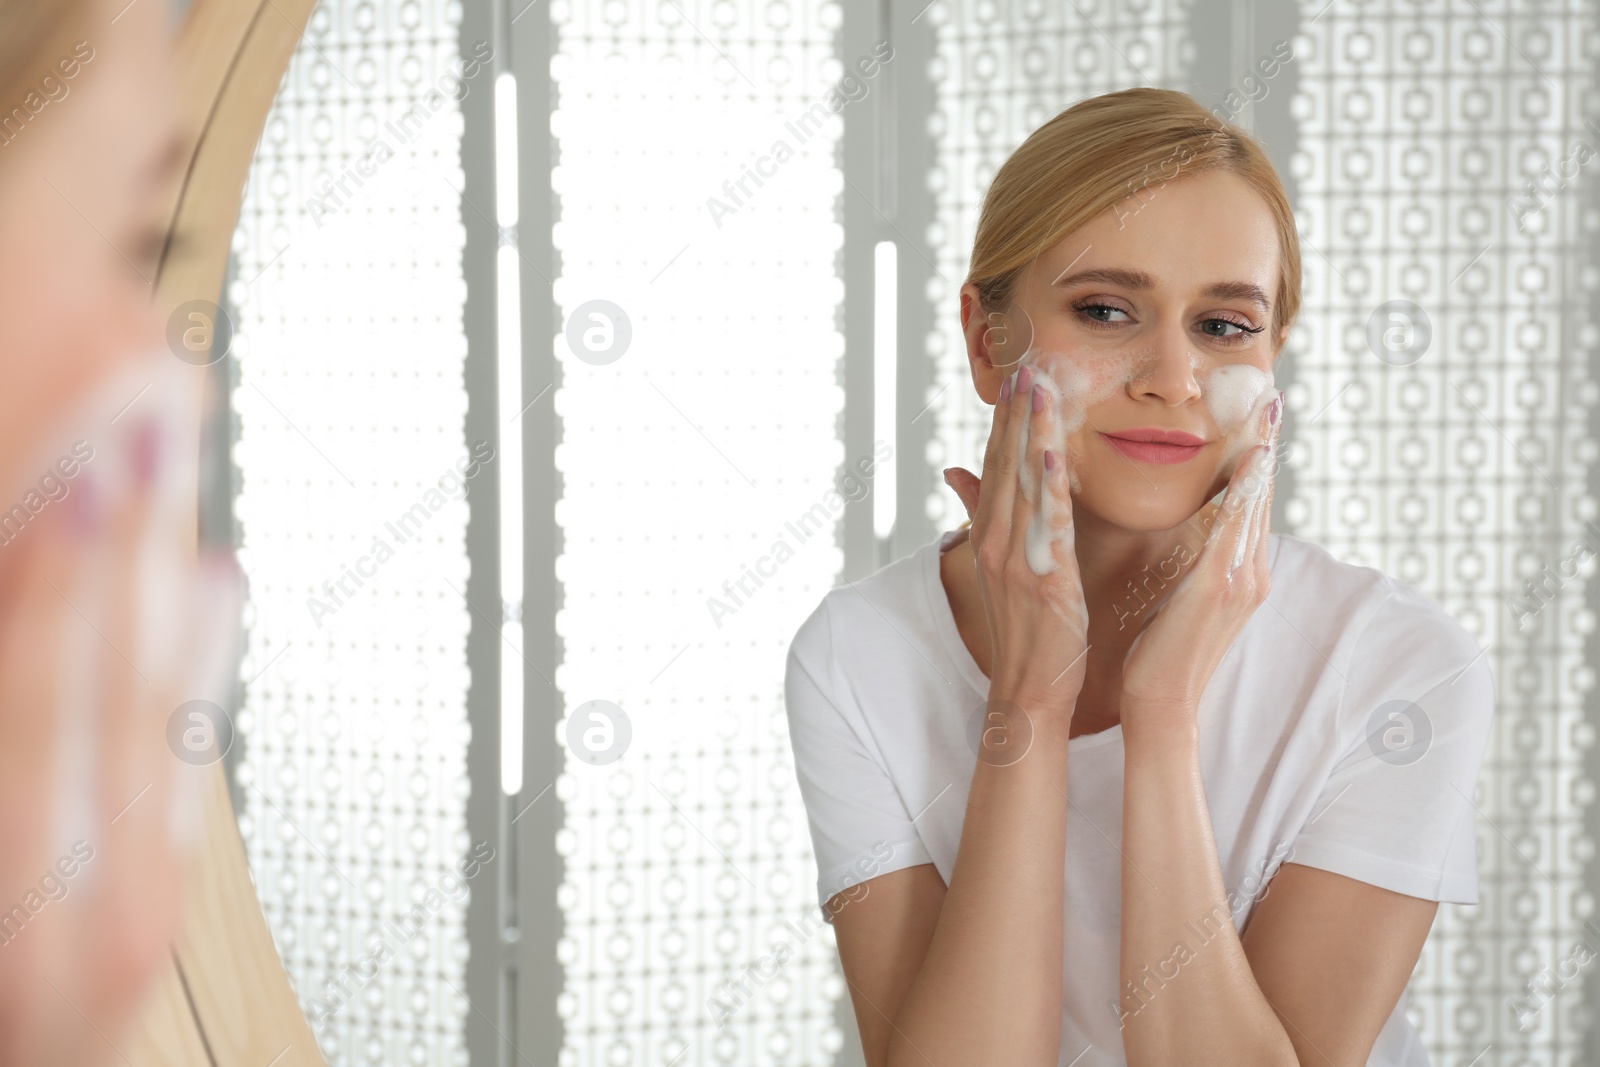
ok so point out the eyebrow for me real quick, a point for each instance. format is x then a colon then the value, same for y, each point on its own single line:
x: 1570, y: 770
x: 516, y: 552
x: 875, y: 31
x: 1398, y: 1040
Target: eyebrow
x: 1138, y: 279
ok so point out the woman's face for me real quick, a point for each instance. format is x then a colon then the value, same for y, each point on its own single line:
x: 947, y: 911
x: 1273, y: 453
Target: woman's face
x: 1152, y: 321
x: 81, y: 218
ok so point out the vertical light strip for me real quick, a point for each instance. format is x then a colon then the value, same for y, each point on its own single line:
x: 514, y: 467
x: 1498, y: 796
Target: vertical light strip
x: 508, y: 282
x: 885, y: 353
x: 505, y: 148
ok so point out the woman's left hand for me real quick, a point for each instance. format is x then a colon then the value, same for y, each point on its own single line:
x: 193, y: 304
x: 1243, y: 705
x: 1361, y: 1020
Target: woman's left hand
x: 1171, y: 661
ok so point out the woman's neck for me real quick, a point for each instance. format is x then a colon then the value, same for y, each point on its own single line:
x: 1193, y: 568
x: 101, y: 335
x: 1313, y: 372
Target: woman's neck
x: 1126, y: 572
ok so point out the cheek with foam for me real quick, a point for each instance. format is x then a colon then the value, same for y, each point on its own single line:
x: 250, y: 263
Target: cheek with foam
x: 1079, y: 383
x: 1073, y: 385
x: 1237, y: 395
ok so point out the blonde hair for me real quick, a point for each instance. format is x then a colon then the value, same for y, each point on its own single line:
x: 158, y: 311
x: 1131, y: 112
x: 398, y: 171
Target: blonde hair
x: 1100, y: 151
x: 33, y: 35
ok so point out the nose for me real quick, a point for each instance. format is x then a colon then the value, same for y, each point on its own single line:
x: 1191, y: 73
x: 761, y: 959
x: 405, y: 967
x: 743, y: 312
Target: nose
x: 1165, y: 371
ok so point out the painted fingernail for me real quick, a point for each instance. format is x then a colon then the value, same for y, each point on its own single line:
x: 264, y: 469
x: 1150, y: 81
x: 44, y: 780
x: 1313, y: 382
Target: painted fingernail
x: 1024, y: 379
x: 1261, y: 467
x: 1275, y: 410
x: 1049, y: 460
x: 1005, y: 389
x: 1038, y: 399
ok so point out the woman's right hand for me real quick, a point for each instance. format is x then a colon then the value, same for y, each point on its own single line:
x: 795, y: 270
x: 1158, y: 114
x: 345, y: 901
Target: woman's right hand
x: 108, y: 624
x: 1038, y: 624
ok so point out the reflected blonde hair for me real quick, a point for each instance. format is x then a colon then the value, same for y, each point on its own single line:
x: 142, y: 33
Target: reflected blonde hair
x: 1099, y: 152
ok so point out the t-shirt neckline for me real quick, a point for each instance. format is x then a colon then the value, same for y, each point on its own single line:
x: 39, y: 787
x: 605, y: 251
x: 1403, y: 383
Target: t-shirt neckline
x: 944, y: 621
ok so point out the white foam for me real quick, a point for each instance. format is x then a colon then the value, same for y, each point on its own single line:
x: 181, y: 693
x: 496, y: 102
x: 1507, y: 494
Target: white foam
x: 1236, y: 395
x: 1253, y: 492
x: 1233, y: 391
x: 1073, y: 386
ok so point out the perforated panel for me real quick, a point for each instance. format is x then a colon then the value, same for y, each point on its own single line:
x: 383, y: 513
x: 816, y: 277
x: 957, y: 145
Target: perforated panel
x: 683, y: 460
x: 1461, y: 464
x: 352, y: 467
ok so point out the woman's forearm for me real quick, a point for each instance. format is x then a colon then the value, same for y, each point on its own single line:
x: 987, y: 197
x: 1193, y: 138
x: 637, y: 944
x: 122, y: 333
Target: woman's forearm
x: 1187, y: 993
x: 990, y: 987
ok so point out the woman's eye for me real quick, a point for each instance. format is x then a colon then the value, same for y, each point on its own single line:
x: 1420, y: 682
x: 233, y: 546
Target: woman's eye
x: 1227, y: 329
x: 1101, y: 312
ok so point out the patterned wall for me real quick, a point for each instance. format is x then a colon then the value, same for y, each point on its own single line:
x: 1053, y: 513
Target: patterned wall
x: 699, y: 191
x: 350, y: 406
x: 1446, y: 441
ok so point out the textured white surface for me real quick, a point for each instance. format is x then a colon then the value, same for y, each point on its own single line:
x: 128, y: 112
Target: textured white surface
x: 350, y: 406
x: 688, y: 861
x: 1465, y: 472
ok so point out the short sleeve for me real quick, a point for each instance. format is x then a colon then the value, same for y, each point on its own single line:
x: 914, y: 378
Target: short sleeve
x: 860, y: 827
x: 1397, y: 808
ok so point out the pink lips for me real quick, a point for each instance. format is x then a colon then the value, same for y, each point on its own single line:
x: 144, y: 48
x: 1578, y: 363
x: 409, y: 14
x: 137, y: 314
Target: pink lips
x: 1154, y: 445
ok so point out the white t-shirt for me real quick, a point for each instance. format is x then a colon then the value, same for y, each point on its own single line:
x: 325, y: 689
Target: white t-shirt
x: 1303, y: 755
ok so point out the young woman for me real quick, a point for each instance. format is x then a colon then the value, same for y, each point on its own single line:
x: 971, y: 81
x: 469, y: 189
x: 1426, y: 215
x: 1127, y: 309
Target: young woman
x: 1114, y: 774
x: 103, y: 612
